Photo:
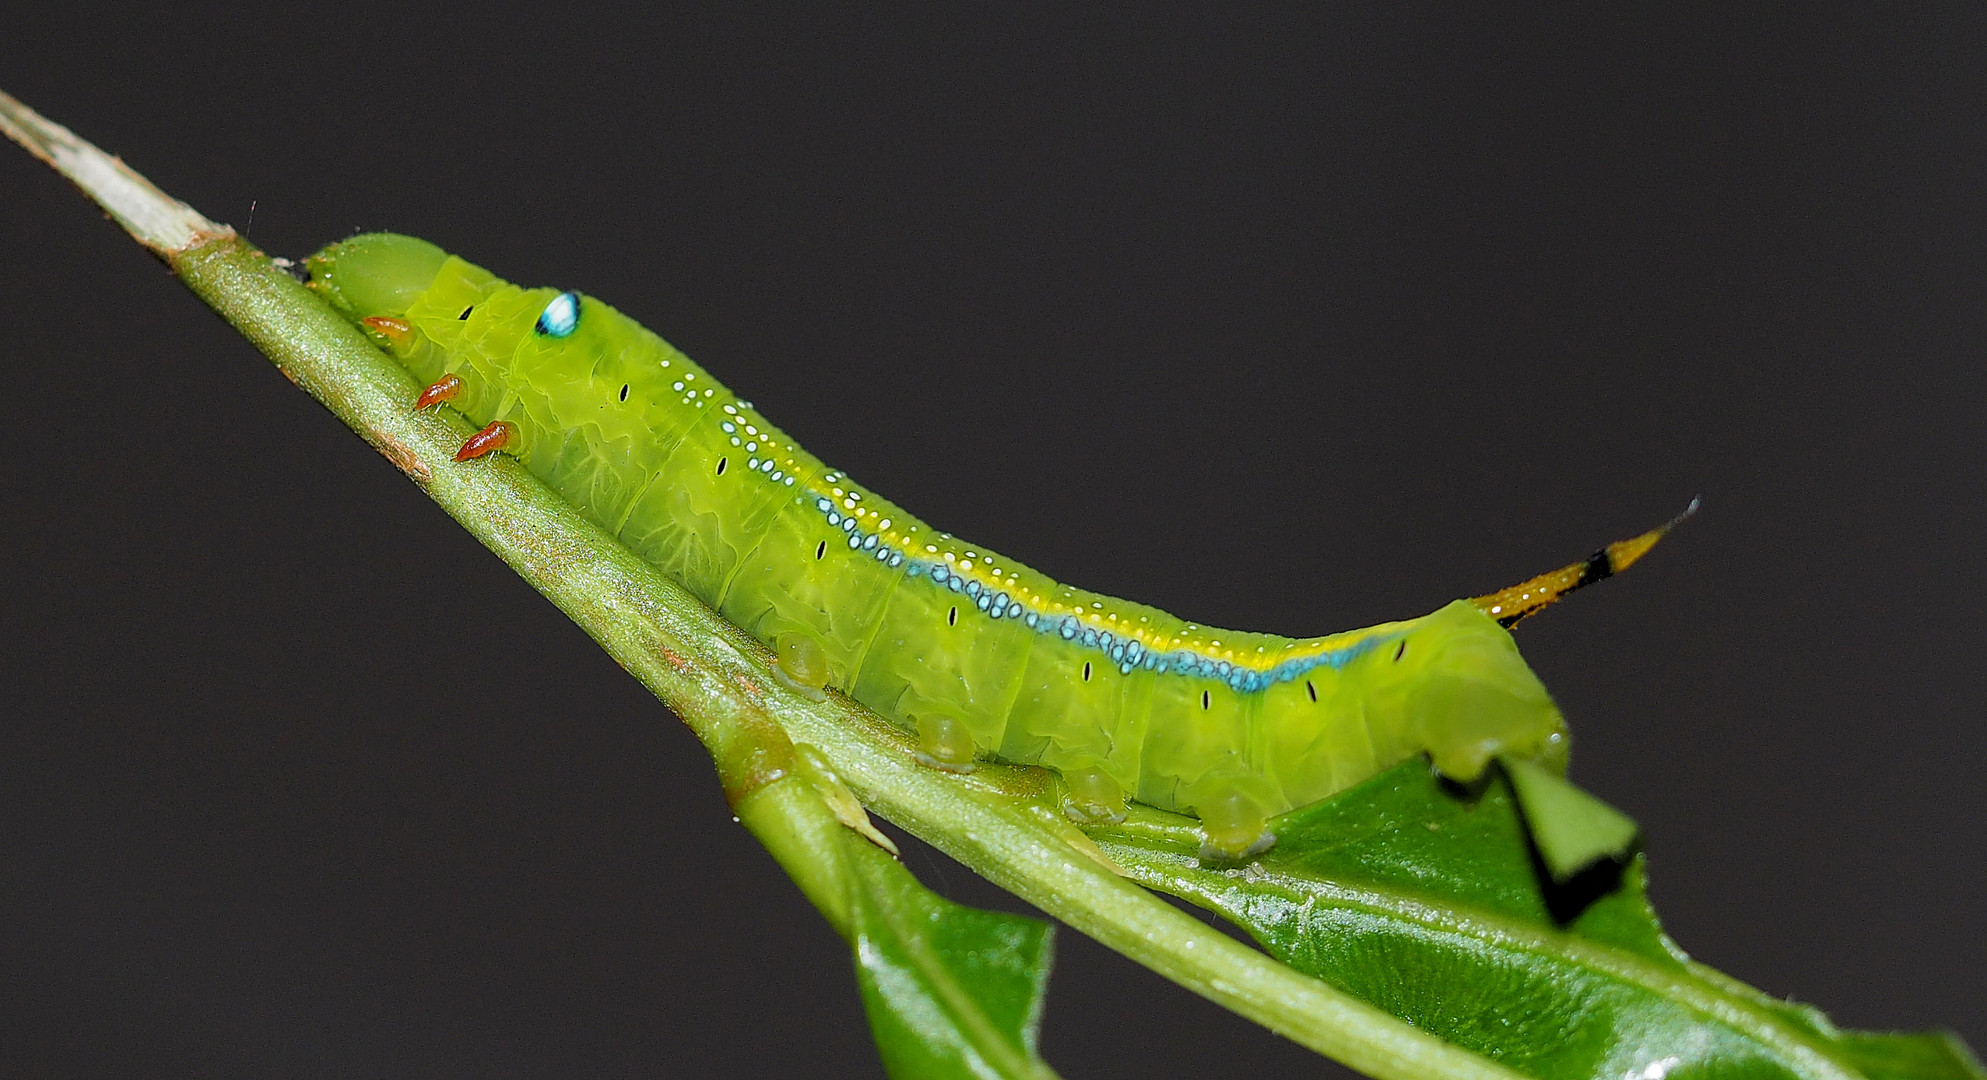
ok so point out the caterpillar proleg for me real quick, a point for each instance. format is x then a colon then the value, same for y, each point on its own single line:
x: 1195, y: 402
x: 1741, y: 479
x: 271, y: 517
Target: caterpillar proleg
x: 975, y: 652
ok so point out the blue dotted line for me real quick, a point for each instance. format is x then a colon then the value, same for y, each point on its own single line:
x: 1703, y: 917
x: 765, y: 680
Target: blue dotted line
x: 1126, y: 652
x: 858, y: 540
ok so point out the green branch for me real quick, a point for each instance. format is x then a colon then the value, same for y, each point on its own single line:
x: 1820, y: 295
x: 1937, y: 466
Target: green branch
x: 1001, y: 823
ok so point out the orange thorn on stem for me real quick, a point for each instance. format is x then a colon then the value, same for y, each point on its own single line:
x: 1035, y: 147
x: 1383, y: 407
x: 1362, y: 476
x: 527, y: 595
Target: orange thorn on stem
x: 487, y: 441
x: 444, y: 389
x: 394, y: 330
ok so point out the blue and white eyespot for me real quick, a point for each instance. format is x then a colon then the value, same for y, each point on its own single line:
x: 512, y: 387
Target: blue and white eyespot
x: 561, y: 317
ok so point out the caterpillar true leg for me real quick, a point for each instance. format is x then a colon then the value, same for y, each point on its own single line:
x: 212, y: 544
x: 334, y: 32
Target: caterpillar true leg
x: 394, y: 330
x: 1527, y: 598
x: 497, y: 436
x: 443, y: 389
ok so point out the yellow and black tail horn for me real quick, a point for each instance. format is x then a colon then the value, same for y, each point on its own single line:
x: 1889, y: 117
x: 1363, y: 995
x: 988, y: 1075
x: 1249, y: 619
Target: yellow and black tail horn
x: 1527, y: 598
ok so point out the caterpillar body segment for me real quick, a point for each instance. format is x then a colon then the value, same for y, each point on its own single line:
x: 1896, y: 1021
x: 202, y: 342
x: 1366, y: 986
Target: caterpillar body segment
x: 976, y: 653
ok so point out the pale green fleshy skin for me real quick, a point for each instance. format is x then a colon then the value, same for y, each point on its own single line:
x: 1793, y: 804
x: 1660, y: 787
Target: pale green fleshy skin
x: 697, y: 482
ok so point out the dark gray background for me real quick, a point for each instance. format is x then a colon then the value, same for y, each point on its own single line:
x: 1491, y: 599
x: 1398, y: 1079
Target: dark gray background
x: 1287, y: 322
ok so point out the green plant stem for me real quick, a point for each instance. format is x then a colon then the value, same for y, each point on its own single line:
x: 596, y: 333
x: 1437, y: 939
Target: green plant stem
x: 716, y: 678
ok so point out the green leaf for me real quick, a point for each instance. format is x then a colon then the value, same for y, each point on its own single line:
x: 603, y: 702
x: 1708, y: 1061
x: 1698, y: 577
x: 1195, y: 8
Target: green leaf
x: 1931, y: 1055
x: 951, y: 991
x: 1572, y: 829
x: 1431, y: 902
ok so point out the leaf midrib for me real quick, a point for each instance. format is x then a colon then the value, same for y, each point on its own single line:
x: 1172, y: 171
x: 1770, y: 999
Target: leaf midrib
x: 1169, y: 872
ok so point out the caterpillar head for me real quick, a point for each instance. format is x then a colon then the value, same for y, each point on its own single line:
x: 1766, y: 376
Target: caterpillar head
x: 374, y: 274
x: 1459, y: 688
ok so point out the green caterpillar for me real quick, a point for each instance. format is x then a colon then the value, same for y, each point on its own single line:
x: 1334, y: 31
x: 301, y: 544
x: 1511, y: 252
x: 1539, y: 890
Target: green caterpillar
x: 976, y: 653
